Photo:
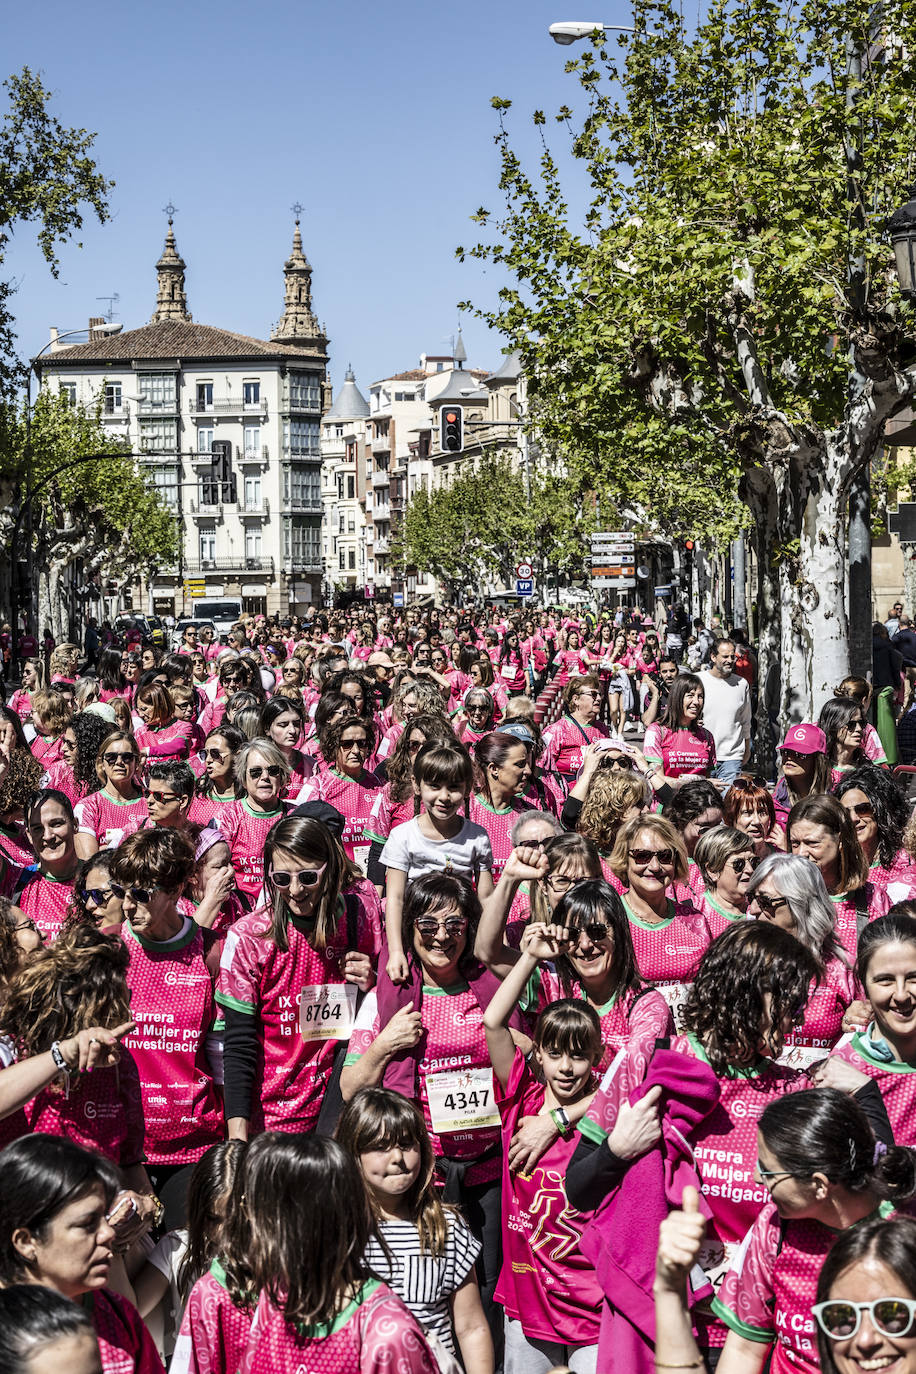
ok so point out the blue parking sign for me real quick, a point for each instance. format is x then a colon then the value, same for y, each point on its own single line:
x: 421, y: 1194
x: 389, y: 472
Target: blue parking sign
x: 524, y: 586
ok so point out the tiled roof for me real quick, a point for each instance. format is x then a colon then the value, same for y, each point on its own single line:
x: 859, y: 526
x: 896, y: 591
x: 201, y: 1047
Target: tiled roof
x: 173, y: 339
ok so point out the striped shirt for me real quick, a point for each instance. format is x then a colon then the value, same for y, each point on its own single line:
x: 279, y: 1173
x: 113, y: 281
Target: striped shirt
x: 422, y: 1281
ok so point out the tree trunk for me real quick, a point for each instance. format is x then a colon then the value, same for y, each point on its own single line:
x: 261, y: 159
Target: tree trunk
x: 760, y: 496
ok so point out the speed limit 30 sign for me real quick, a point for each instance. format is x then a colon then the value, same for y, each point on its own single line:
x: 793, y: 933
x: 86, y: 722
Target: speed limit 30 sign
x: 523, y: 570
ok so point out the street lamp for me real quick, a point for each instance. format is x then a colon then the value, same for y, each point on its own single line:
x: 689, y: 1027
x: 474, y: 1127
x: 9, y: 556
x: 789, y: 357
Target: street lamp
x: 902, y: 229
x: 571, y: 30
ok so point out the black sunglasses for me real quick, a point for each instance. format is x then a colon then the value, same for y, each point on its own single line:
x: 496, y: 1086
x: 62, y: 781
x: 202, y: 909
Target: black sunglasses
x: 273, y: 770
x: 140, y: 895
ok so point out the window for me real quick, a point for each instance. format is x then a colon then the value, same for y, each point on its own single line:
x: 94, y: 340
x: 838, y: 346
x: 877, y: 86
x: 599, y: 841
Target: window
x: 159, y: 436
x: 204, y: 395
x: 339, y: 431
x: 340, y: 523
x: 351, y: 488
x: 352, y: 559
x: 253, y: 542
x: 303, y: 486
x: 251, y: 393
x: 205, y: 439
x: 207, y: 546
x: 252, y: 493
x: 403, y: 395
x: 208, y: 492
x: 252, y: 441
x: 113, y: 398
x: 67, y: 392
x: 165, y: 481
x: 305, y: 392
x: 342, y: 560
x: 302, y: 541
x: 300, y: 437
x: 157, y: 390
x: 351, y: 526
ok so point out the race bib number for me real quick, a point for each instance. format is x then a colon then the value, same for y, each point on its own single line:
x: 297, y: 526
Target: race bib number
x: 507, y: 671
x: 327, y: 1012
x: 361, y: 855
x: 675, y: 994
x: 715, y: 1258
x: 462, y: 1100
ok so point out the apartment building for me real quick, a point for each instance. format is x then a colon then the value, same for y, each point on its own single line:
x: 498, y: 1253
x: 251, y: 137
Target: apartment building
x: 228, y: 428
x: 344, y: 445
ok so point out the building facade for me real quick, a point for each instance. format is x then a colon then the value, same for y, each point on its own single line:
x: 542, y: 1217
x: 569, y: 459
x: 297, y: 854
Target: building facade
x: 344, y: 444
x: 228, y: 428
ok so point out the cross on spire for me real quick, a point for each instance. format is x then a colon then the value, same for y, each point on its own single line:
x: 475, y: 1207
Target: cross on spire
x: 170, y: 210
x: 297, y: 210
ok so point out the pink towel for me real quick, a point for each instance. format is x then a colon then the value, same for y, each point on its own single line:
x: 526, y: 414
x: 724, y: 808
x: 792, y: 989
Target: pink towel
x: 622, y: 1240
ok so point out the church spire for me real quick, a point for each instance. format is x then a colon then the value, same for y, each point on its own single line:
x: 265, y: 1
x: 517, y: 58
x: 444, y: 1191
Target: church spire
x: 171, y: 301
x: 298, y: 324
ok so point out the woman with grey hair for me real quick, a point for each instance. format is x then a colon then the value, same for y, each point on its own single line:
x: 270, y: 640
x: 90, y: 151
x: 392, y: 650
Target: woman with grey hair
x: 262, y: 771
x: 727, y: 860
x: 789, y: 891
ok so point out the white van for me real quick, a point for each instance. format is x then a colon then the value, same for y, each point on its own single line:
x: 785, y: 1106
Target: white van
x: 224, y: 612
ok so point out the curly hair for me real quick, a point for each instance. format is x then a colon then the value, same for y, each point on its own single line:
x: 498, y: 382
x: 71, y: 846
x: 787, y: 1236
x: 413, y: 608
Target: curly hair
x: 609, y: 797
x: 335, y: 683
x: 79, y: 981
x: 752, y: 980
x: 10, y: 951
x: 888, y: 803
x: 329, y: 739
x: 20, y: 782
x: 89, y: 731
x: 53, y: 710
x: 435, y: 729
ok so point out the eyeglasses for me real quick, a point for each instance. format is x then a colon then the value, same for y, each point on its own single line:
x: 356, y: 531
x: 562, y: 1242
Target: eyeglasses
x: 429, y: 929
x: 361, y: 744
x: 558, y: 883
x: 769, y: 904
x: 98, y: 896
x: 162, y: 798
x: 595, y: 930
x: 794, y: 756
x: 643, y: 857
x: 273, y: 770
x: 623, y: 763
x: 308, y: 877
x: 586, y: 692
x: 140, y: 895
x: 840, y: 1319
x: 27, y: 924
x: 216, y: 754
x: 742, y: 864
x: 864, y: 810
x: 766, y: 1174
x: 111, y: 758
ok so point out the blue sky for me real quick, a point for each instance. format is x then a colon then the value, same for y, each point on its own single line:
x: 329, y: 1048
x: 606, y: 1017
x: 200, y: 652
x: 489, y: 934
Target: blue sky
x: 375, y: 116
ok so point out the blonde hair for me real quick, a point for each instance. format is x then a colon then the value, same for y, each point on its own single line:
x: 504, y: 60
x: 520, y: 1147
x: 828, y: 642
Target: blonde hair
x: 661, y: 830
x: 53, y: 710
x: 610, y: 796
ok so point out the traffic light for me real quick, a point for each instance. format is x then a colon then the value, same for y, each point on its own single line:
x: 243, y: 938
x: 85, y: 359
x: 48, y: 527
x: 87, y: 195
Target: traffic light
x: 222, y: 469
x: 451, y: 438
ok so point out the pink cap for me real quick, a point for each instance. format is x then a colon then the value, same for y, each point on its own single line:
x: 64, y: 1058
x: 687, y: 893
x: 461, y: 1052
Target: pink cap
x: 805, y: 739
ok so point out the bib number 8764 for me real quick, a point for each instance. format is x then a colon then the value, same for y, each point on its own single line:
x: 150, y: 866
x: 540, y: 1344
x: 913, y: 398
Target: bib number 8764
x: 320, y: 1011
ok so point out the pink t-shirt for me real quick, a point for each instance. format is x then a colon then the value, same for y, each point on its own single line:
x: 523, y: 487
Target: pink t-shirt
x: 60, y: 776
x: 245, y: 831
x: 454, y: 1050
x: 823, y: 1024
x: 14, y: 842
x: 870, y: 901
x: 546, y: 1283
x: 288, y: 993
x: 386, y: 744
x: 498, y: 825
x: 643, y: 1016
x: 125, y: 1345
x: 898, y: 880
x: 45, y: 901
x: 872, y: 747
x: 897, y: 1083
x: 172, y: 1004
x: 768, y: 1292
x: 171, y: 741
x: 374, y: 1334
x: 667, y: 954
x: 386, y: 814
x: 47, y: 749
x: 214, y: 1332
x: 108, y: 818
x: 354, y: 800
x: 101, y: 1112
x: 21, y: 703
x: 682, y: 753
x: 203, y: 809
x: 566, y: 742
x: 715, y: 915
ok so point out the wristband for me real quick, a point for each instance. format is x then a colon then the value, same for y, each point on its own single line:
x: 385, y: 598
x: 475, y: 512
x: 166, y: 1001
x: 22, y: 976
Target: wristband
x: 59, y: 1060
x: 561, y: 1121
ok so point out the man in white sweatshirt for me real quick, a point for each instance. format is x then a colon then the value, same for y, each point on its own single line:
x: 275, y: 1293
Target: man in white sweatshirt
x: 726, y: 711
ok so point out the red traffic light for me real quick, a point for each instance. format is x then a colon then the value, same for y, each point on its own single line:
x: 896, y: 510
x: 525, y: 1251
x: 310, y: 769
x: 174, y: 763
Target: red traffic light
x: 688, y: 544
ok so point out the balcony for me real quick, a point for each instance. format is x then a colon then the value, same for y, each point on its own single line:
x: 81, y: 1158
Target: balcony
x: 145, y: 406
x: 256, y: 506
x: 261, y: 454
x: 114, y: 413
x: 228, y: 406
x: 307, y: 402
x: 382, y: 546
x: 206, y: 508
x: 303, y: 505
x: 381, y: 477
x: 241, y: 564
x: 302, y: 567
x: 381, y: 445
x: 302, y: 453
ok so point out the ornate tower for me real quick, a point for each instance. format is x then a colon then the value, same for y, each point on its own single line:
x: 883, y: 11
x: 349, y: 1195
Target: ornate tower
x: 298, y: 324
x: 171, y: 301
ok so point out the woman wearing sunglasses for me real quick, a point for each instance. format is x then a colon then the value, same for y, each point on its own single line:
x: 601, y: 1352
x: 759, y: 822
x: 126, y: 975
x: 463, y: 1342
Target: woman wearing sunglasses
x: 217, y: 786
x: 281, y: 721
x: 476, y: 717
x: 288, y: 984
x: 843, y: 723
x: 483, y: 677
x: 171, y: 1001
x: 886, y: 1048
x: 669, y: 935
x: 788, y: 891
x: 163, y: 734
x: 678, y: 745
x: 235, y: 675
x: 346, y: 782
x: 727, y: 862
x: 262, y: 772
x: 821, y: 829
x: 827, y: 1179
x: 866, y: 1299
x: 44, y: 892
x: 93, y: 902
x: 569, y: 737
x: 880, y: 811
x: 119, y: 806
x: 805, y: 769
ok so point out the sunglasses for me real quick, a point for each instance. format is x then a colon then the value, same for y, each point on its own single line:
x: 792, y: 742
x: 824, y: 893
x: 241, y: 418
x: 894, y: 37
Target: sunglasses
x: 624, y: 764
x: 744, y: 864
x: 794, y: 755
x: 162, y: 798
x: 273, y: 770
x: 769, y: 904
x: 864, y: 810
x: 140, y: 895
x: 839, y: 1319
x: 98, y: 896
x: 595, y: 930
x: 429, y: 929
x: 643, y: 857
x: 111, y: 759
x: 362, y: 744
x: 215, y: 754
x: 308, y: 877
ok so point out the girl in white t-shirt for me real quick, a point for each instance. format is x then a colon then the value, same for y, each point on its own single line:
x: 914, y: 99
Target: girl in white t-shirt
x: 439, y: 840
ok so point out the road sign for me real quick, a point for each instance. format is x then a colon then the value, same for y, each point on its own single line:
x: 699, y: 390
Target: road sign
x: 620, y: 582
x: 612, y: 556
x: 524, y: 586
x: 523, y: 570
x: 369, y: 591
x: 397, y: 598
x: 613, y: 537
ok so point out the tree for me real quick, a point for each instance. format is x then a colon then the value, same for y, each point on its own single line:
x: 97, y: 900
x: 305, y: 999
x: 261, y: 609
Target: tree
x: 46, y: 177
x: 726, y: 324
x: 100, y: 515
x: 475, y: 530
